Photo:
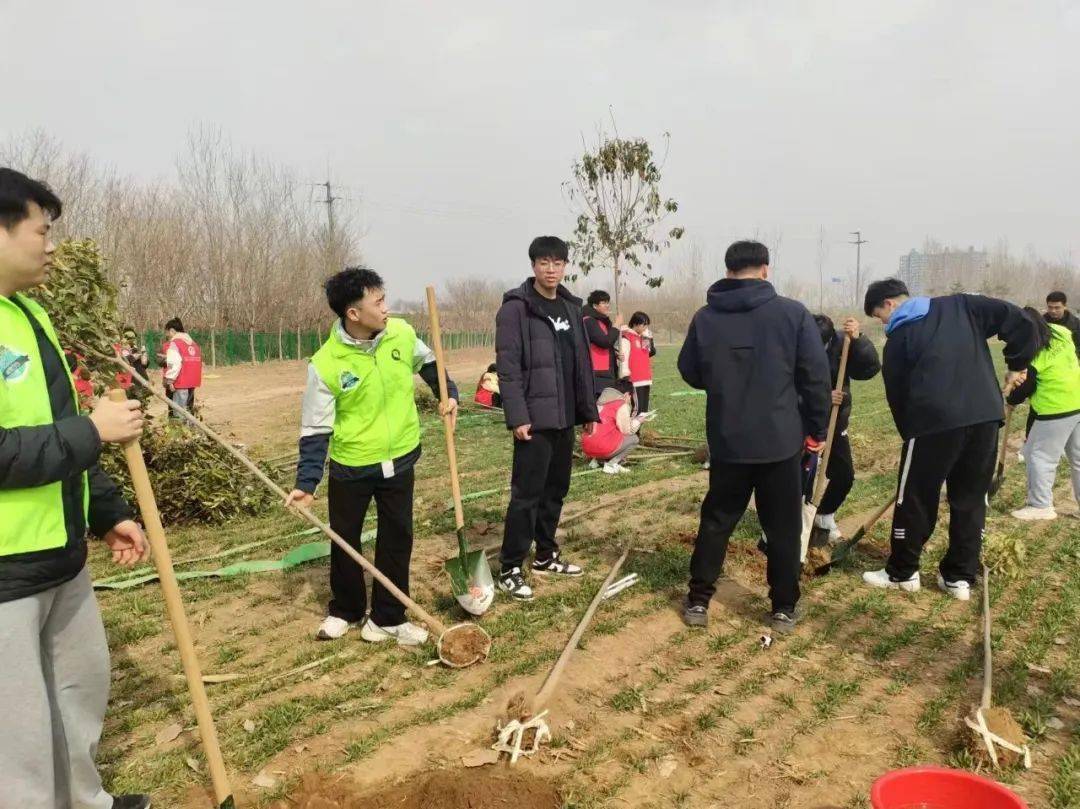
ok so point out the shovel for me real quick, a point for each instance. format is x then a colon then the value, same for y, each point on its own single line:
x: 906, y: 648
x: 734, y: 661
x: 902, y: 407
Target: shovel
x: 469, y: 571
x: 811, y: 535
x: 841, y: 551
x: 1003, y: 451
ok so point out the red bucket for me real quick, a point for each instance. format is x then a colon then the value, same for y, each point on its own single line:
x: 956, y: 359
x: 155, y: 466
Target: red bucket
x: 940, y: 788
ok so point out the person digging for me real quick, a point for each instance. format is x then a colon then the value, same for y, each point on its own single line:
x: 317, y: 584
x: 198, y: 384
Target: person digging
x: 944, y: 396
x: 52, y: 640
x: 862, y: 364
x: 360, y: 408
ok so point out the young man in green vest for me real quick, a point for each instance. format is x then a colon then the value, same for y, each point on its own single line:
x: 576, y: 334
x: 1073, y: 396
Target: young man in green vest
x: 52, y: 641
x: 360, y: 407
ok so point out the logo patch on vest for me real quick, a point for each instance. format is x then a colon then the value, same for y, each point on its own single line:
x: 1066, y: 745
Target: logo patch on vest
x: 396, y: 354
x: 14, y: 365
x: 348, y: 380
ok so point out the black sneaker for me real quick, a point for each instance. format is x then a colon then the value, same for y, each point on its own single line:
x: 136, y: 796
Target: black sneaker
x: 556, y: 566
x: 695, y: 615
x: 513, y: 583
x: 783, y: 621
x: 131, y: 802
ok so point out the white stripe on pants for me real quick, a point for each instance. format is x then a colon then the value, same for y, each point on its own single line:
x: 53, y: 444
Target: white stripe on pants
x: 1048, y: 440
x: 53, y: 698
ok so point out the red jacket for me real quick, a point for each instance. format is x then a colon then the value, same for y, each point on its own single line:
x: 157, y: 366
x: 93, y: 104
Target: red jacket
x: 190, y: 371
x: 606, y: 437
x: 639, y: 360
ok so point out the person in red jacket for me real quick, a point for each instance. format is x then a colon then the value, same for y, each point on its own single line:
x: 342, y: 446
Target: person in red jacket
x: 636, y: 351
x: 616, y: 435
x: 183, y: 365
x: 603, y: 336
x: 487, y: 389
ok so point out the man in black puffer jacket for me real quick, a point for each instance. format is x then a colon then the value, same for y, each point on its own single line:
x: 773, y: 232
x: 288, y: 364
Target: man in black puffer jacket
x: 947, y: 404
x: 862, y: 364
x: 546, y: 382
x: 760, y: 360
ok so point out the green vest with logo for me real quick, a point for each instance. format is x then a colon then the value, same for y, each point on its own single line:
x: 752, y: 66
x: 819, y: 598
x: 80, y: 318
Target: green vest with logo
x: 1057, y: 380
x: 374, y: 396
x: 30, y: 519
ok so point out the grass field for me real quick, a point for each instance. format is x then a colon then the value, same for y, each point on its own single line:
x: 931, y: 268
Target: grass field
x: 650, y: 713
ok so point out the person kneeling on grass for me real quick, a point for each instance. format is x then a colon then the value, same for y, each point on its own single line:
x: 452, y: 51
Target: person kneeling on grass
x: 360, y: 406
x: 1052, y: 382
x: 944, y: 395
x: 617, y: 433
x: 487, y: 389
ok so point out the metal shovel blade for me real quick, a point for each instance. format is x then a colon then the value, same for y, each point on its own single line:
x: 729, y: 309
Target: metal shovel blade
x: 471, y: 581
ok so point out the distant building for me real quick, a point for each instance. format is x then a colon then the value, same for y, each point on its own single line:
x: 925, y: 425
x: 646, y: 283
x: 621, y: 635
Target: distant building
x: 942, y: 272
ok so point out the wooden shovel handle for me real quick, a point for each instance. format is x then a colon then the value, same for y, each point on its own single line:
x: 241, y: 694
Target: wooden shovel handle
x: 174, y: 608
x: 819, y: 478
x: 552, y: 680
x: 448, y: 428
x: 434, y: 624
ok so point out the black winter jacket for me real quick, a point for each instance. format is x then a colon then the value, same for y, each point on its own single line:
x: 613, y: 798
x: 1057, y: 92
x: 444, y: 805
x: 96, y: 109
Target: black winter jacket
x: 760, y: 359
x: 608, y: 340
x: 61, y: 451
x: 862, y: 364
x: 938, y: 371
x: 529, y: 363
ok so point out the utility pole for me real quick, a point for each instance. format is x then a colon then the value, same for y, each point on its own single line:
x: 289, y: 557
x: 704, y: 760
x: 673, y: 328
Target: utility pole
x: 329, y: 202
x: 859, y: 242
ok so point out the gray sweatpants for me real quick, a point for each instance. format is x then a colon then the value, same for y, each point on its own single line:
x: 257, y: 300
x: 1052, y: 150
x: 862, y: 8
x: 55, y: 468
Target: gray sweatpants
x: 628, y: 443
x: 1049, y: 438
x: 53, y: 696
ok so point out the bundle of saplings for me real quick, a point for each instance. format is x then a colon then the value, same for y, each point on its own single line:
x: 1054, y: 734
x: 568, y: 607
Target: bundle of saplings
x: 194, y: 479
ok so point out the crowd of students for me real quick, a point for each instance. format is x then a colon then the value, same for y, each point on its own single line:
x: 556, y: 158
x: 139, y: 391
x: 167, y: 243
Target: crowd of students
x: 770, y: 371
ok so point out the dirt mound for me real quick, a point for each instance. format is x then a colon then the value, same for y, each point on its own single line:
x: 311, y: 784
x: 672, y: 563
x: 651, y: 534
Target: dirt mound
x: 815, y: 558
x: 464, y: 644
x: 1001, y: 723
x: 443, y: 789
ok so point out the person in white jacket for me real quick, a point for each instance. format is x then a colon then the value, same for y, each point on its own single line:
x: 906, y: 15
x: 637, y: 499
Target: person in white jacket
x: 616, y: 435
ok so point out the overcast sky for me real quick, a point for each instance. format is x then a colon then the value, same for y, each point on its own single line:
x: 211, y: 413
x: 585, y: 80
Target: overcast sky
x: 451, y: 125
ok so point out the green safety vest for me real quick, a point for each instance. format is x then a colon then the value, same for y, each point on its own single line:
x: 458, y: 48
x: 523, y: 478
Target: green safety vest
x: 375, y: 416
x: 1057, y: 379
x: 30, y: 519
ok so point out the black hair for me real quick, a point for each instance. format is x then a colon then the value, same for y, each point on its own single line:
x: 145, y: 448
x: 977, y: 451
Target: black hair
x: 491, y: 369
x: 1043, y: 335
x: 345, y: 288
x: 624, y: 386
x: 548, y: 247
x: 1057, y: 297
x: 880, y: 291
x: 597, y: 296
x: 639, y: 319
x: 746, y: 255
x: 826, y: 327
x: 17, y: 191
x: 176, y: 324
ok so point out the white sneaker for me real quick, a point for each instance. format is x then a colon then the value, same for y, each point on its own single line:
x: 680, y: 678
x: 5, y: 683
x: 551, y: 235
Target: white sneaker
x: 1021, y: 457
x: 332, y: 628
x: 593, y: 464
x: 827, y: 522
x: 880, y: 578
x: 960, y: 590
x: 614, y: 469
x: 1035, y: 513
x: 406, y: 634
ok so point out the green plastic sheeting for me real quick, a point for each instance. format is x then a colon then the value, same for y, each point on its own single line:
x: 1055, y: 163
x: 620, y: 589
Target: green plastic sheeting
x: 301, y: 554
